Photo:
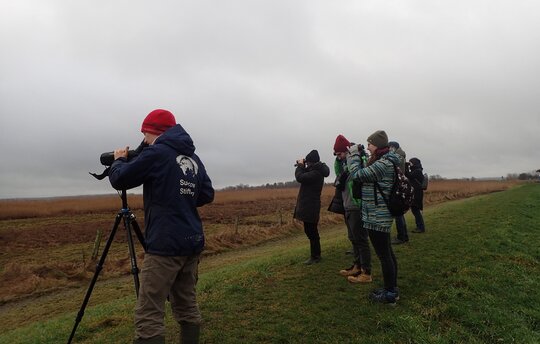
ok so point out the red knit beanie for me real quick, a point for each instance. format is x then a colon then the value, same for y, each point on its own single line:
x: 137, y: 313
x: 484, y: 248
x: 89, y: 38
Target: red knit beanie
x: 341, y: 144
x: 158, y: 121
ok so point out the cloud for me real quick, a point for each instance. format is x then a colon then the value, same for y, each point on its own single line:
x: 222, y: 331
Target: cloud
x: 259, y: 84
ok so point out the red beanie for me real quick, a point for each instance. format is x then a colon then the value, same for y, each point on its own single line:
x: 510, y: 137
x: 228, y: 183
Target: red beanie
x: 158, y: 121
x: 341, y: 144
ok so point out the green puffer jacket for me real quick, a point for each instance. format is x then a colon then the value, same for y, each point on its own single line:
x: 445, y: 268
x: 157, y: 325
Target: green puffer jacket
x: 339, y: 168
x: 375, y: 213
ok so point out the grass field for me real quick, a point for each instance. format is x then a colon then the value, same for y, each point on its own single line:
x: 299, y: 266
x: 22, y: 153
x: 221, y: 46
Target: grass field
x: 49, y: 244
x: 472, y: 278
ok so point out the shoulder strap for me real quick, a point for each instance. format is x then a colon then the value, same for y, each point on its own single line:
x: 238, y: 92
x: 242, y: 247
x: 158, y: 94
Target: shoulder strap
x: 378, y: 187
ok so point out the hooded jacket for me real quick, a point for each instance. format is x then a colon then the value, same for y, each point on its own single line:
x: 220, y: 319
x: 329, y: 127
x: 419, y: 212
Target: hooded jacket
x: 375, y: 213
x: 308, y: 203
x: 416, y: 177
x: 174, y: 183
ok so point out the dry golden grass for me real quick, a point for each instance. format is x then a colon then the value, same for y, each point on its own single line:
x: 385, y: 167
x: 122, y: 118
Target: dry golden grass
x: 445, y: 190
x: 258, y: 194
x: 439, y: 190
x: 47, y: 207
x: 45, y: 244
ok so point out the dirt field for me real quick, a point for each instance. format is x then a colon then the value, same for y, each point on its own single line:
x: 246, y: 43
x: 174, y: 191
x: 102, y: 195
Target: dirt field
x: 48, y: 244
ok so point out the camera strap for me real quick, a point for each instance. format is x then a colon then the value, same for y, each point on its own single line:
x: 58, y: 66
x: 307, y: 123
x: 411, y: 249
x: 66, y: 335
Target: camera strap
x: 101, y: 176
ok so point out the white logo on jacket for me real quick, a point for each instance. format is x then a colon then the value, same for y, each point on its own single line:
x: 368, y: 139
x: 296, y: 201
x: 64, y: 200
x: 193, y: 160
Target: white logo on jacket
x: 189, y: 168
x: 187, y: 165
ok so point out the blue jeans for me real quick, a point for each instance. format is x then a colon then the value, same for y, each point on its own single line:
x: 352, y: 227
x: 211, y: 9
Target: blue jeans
x: 418, y: 218
x: 401, y: 226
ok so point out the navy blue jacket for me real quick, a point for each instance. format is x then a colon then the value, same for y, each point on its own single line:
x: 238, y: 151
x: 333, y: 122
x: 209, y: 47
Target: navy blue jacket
x: 174, y: 183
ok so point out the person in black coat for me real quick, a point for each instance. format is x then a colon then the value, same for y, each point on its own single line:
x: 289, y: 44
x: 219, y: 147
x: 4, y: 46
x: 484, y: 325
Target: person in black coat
x: 414, y: 173
x: 310, y: 173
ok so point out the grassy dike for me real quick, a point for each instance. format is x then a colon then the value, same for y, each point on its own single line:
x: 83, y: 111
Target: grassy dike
x: 472, y: 278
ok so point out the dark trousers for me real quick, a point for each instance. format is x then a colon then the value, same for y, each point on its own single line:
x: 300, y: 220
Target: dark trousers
x: 383, y: 248
x: 314, y: 240
x: 418, y: 218
x: 401, y: 226
x: 358, y: 236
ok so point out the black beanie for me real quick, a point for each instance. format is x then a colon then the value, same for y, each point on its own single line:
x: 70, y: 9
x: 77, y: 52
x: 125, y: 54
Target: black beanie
x: 313, y: 156
x: 393, y: 144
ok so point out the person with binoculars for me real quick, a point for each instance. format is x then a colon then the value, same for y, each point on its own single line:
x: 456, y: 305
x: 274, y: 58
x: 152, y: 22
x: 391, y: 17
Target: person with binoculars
x: 310, y: 173
x: 377, y: 179
x: 360, y: 269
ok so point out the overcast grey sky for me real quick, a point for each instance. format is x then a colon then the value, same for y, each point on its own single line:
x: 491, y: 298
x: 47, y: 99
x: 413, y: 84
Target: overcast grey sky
x: 259, y: 84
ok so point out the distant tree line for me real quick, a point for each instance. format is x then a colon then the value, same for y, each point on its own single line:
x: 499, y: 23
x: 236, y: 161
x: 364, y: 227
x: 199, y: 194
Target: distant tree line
x: 433, y: 177
x: 523, y: 176
x: 276, y: 185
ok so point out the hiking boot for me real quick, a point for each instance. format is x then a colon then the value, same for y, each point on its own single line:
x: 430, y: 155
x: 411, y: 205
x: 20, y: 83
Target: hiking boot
x: 351, y: 271
x: 385, y: 296
x: 312, y: 260
x: 399, y: 241
x: 360, y: 277
x: 380, y: 290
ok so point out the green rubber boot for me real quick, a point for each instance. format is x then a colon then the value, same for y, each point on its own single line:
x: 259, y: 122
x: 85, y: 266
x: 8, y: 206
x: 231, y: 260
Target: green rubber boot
x: 190, y: 333
x: 152, y: 340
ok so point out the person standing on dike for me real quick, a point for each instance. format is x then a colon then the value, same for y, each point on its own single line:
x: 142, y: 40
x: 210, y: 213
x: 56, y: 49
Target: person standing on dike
x: 378, y: 174
x: 310, y: 173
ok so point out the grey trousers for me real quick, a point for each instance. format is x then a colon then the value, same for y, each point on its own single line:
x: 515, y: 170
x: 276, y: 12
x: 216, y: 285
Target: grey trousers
x: 358, y: 236
x: 174, y: 277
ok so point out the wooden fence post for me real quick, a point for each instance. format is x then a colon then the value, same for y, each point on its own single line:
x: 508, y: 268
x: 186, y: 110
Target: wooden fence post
x: 96, y: 244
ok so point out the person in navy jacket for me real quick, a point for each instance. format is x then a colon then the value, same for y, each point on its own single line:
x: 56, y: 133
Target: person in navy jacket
x: 174, y: 183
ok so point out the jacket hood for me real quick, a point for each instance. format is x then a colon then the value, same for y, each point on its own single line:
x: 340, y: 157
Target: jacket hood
x: 416, y: 164
x: 177, y: 138
x: 321, y: 167
x: 417, y: 167
x: 393, y: 157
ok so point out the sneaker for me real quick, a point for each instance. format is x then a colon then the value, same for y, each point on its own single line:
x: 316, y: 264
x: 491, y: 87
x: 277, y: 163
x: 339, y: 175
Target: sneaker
x: 360, y: 277
x: 385, y: 296
x: 312, y: 260
x: 380, y: 290
x: 351, y: 271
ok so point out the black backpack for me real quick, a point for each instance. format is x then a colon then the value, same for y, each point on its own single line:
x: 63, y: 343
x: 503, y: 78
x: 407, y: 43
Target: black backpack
x: 401, y: 196
x: 425, y: 182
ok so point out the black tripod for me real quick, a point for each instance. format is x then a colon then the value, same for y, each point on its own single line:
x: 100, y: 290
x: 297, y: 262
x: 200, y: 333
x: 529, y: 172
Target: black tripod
x: 129, y: 223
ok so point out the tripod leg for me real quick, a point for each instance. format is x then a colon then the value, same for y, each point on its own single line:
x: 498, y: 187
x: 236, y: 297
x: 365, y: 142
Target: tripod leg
x: 128, y: 218
x: 138, y: 231
x: 99, y: 267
